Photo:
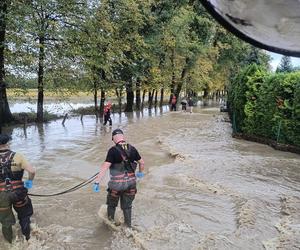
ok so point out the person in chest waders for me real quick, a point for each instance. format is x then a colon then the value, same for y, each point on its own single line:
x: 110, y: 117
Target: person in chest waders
x: 13, y: 192
x: 122, y: 160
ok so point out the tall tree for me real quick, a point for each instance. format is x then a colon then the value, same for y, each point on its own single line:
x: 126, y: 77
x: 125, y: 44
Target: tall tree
x: 42, y: 47
x: 5, y: 114
x: 285, y: 65
x: 130, y: 21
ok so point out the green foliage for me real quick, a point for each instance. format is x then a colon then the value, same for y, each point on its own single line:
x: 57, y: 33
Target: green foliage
x: 253, y: 117
x: 68, y: 46
x: 267, y: 104
x: 237, y: 93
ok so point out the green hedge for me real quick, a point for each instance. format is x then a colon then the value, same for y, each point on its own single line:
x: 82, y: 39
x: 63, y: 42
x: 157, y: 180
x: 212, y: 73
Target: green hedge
x: 265, y: 104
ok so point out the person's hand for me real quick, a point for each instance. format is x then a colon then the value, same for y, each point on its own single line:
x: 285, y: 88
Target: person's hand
x: 28, y: 184
x: 140, y: 175
x: 96, y: 187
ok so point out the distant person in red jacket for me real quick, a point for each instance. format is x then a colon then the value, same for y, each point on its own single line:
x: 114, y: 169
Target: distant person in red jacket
x: 173, y: 103
x: 107, y: 117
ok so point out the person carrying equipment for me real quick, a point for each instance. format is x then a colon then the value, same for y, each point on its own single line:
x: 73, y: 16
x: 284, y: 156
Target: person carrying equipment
x: 13, y: 192
x: 122, y: 160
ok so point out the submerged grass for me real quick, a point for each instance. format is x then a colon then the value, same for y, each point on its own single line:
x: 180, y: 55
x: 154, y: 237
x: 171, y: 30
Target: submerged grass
x: 30, y: 117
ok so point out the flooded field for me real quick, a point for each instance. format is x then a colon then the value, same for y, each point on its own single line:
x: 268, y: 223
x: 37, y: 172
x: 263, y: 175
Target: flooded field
x: 57, y: 107
x: 202, y: 189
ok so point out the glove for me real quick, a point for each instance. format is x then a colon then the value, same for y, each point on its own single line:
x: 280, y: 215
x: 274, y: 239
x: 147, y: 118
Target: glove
x: 28, y: 184
x: 140, y: 175
x: 96, y: 187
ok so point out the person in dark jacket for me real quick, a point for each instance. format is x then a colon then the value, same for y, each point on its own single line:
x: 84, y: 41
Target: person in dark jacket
x: 183, y: 104
x: 191, y: 104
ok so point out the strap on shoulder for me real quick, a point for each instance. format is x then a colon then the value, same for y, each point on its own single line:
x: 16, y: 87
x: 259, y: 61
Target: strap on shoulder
x: 5, y: 164
x: 124, y: 150
x: 7, y: 158
x: 125, y: 155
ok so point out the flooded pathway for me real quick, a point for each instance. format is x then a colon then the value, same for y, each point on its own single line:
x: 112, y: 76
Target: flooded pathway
x: 203, y: 189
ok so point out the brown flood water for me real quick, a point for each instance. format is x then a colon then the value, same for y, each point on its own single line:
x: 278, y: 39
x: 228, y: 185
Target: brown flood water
x: 202, y: 189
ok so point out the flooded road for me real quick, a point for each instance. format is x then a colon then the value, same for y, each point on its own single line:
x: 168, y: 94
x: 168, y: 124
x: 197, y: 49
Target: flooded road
x: 203, y: 189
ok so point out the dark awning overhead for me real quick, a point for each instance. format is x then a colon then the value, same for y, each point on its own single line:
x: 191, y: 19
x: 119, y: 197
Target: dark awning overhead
x: 273, y: 25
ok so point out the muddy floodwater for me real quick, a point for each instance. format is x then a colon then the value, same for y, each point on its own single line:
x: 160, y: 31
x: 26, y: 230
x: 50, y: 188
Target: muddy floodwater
x: 203, y: 189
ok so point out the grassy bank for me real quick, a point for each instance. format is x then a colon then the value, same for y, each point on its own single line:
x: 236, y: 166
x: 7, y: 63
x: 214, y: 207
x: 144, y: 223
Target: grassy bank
x: 31, y: 94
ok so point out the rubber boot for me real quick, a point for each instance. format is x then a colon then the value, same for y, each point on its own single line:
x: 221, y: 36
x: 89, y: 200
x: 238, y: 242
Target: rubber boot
x: 7, y: 233
x: 25, y: 227
x: 24, y: 214
x: 111, y: 212
x: 127, y: 217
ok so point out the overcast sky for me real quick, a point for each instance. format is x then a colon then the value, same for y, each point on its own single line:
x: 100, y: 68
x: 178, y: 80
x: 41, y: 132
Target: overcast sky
x: 277, y: 57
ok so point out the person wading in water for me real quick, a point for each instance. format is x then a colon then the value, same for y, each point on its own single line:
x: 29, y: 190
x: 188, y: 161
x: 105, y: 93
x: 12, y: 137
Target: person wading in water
x: 107, y: 117
x: 122, y: 160
x: 13, y: 191
x: 173, y: 102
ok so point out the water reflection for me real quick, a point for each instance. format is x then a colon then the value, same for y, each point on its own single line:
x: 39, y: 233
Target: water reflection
x: 41, y: 135
x: 129, y: 116
x: 138, y: 114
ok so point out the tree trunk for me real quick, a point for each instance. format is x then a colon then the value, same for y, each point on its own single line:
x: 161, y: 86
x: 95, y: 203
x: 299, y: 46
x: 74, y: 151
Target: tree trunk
x: 40, y: 102
x: 161, y: 97
x: 129, y: 97
x: 143, y: 98
x: 182, y: 77
x: 138, y: 95
x: 119, y: 95
x: 173, y: 81
x: 102, y: 100
x: 95, y: 98
x: 150, y: 98
x: 188, y: 83
x: 5, y: 114
x: 155, y: 98
x: 205, y: 95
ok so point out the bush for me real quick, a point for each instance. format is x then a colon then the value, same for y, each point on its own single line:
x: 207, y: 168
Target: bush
x: 237, y: 97
x: 266, y: 105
